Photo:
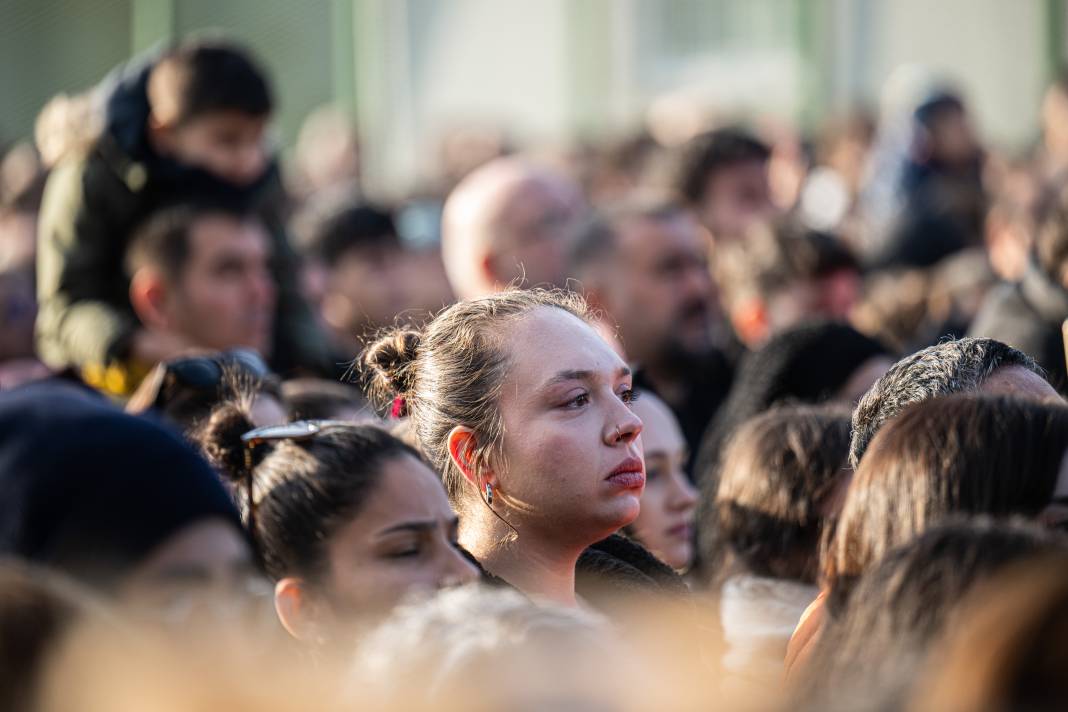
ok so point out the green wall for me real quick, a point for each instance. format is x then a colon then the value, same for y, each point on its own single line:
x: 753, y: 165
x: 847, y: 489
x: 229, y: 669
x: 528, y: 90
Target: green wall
x: 51, y: 46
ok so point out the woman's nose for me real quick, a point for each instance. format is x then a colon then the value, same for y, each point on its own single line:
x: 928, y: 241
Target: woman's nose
x: 457, y: 570
x: 684, y: 495
x: 626, y: 429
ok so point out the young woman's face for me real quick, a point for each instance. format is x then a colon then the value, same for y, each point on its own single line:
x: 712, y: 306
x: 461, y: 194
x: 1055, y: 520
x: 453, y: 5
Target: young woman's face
x: 572, y: 463
x: 665, y: 525
x: 402, y: 540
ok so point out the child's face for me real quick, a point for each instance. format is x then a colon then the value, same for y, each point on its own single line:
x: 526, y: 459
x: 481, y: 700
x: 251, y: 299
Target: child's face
x: 230, y: 144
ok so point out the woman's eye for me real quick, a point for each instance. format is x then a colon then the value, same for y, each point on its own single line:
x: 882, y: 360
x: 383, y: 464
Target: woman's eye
x: 629, y: 395
x: 408, y: 553
x: 578, y: 401
x: 652, y: 473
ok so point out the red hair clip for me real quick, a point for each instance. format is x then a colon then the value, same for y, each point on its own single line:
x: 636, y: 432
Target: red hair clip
x: 400, y: 407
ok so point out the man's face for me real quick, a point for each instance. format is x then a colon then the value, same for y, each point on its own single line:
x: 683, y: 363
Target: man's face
x: 660, y: 290
x: 230, y: 144
x: 225, y: 296
x: 736, y: 197
x: 531, y: 234
x: 367, y: 288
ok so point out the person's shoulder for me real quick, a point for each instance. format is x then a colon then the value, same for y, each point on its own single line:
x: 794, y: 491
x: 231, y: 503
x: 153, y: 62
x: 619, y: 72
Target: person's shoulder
x: 618, y: 564
x: 93, y: 173
x: 1005, y: 310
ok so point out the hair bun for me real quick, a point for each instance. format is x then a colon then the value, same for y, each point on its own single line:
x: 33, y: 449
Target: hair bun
x: 220, y: 439
x: 387, y: 365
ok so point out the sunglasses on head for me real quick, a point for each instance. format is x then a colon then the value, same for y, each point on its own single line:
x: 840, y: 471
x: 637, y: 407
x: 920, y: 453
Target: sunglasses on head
x: 298, y: 431
x: 206, y: 372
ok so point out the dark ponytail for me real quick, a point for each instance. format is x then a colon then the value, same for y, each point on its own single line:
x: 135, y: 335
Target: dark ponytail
x: 300, y: 492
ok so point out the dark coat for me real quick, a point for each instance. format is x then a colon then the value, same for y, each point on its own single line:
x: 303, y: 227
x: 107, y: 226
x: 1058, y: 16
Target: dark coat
x: 1028, y: 315
x: 93, y: 201
x: 613, y: 568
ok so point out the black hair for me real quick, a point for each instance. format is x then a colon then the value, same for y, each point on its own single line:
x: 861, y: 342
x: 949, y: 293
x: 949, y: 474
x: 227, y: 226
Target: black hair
x: 808, y: 363
x: 204, y: 77
x: 352, y: 227
x: 320, y: 399
x: 302, y: 491
x: 949, y: 367
x: 711, y: 152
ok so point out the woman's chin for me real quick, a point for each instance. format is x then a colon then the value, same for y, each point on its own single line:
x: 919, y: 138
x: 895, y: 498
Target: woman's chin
x: 625, y: 510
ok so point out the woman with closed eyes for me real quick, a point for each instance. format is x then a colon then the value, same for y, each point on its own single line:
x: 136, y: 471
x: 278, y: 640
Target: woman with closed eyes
x: 346, y: 518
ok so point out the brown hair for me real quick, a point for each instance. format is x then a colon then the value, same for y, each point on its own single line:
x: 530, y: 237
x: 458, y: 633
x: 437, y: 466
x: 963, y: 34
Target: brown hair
x: 871, y: 655
x: 966, y: 454
x: 778, y: 472
x: 450, y: 372
x: 1008, y: 649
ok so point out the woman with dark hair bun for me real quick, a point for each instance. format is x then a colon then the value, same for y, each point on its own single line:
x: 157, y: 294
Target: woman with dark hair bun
x: 346, y: 518
x: 525, y: 412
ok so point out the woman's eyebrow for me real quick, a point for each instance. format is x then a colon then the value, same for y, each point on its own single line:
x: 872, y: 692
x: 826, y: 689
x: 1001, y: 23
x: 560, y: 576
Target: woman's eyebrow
x: 414, y: 527
x: 582, y: 375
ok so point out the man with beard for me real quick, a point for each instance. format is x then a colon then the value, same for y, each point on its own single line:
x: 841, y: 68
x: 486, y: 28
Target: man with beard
x: 646, y: 268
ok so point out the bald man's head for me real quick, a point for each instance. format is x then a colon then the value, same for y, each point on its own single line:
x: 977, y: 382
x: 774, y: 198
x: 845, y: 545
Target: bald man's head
x: 508, y: 220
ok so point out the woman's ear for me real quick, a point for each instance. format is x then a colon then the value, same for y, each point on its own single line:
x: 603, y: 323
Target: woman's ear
x: 462, y: 445
x: 298, y: 610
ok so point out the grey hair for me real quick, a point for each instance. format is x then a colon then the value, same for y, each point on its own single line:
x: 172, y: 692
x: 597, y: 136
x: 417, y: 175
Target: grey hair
x: 958, y: 366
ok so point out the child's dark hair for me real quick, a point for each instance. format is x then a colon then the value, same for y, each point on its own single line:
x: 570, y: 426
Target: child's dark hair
x: 303, y: 491
x: 200, y: 77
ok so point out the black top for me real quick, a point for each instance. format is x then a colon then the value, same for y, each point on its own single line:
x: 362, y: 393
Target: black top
x: 709, y: 384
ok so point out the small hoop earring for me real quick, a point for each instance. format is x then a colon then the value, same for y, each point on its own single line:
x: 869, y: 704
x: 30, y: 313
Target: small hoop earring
x: 489, y: 493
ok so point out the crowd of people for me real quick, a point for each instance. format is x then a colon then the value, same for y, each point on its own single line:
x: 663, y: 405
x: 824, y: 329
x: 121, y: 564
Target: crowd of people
x: 754, y: 420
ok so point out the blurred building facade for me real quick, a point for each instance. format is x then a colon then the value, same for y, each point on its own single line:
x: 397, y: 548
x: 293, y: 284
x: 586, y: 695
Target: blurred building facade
x: 409, y: 70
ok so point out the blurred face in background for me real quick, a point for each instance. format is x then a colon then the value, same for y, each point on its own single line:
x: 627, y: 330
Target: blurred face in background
x: 951, y: 138
x: 665, y: 524
x: 366, y: 289
x: 207, y: 562
x: 225, y: 295
x: 660, y: 290
x: 736, y: 197
x: 230, y: 144
x: 404, y: 539
x: 531, y: 230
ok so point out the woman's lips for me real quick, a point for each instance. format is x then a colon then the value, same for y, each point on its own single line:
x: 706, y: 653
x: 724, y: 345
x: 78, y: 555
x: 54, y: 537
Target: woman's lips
x: 681, y: 531
x: 629, y: 475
